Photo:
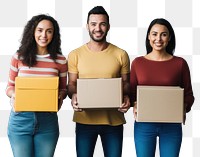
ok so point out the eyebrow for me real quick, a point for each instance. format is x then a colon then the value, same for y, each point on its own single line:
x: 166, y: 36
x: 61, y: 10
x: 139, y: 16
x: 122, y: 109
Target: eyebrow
x: 51, y: 28
x: 97, y: 22
x: 157, y: 32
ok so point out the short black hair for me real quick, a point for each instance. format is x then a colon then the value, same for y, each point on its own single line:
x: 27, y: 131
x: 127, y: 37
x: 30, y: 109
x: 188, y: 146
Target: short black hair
x: 171, y: 44
x: 98, y: 10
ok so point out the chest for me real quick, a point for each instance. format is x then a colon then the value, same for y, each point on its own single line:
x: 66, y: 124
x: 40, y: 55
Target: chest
x: 159, y: 75
x: 99, y: 66
x: 40, y: 69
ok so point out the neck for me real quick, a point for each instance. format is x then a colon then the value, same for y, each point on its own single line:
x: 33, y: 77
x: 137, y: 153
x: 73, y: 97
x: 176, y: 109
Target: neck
x: 159, y: 56
x: 97, y: 46
x: 42, y: 51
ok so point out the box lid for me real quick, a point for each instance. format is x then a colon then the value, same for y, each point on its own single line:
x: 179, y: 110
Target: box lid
x: 36, y: 82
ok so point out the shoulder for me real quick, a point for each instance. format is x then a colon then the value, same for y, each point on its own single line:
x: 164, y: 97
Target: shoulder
x: 118, y: 52
x: 179, y: 60
x: 78, y: 50
x: 61, y: 56
x: 138, y: 59
x: 61, y: 59
x: 74, y: 54
x: 117, y: 49
x: 15, y: 56
x: 15, y: 60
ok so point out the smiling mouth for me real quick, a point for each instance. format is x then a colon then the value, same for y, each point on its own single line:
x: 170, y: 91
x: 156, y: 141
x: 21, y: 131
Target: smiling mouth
x: 158, y: 44
x: 98, y: 35
x: 43, y: 41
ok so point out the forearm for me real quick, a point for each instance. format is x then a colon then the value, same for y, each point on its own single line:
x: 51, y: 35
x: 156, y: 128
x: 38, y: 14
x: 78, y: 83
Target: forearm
x: 71, y: 90
x: 126, y: 88
x: 189, y: 100
x: 126, y: 84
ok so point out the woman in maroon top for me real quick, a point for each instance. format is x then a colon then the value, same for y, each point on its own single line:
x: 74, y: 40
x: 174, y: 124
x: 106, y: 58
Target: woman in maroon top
x: 159, y: 67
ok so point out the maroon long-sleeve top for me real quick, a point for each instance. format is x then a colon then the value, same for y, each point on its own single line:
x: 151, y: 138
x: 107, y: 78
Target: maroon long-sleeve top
x: 173, y: 72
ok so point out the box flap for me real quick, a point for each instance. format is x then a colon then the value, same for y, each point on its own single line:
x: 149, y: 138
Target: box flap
x: 36, y: 82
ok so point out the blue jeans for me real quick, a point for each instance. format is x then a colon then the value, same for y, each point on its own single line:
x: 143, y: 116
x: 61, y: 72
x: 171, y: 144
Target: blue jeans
x: 111, y: 138
x: 170, y: 138
x: 33, y: 134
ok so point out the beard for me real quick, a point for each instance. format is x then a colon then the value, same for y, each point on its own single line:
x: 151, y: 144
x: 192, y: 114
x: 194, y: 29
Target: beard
x: 103, y: 38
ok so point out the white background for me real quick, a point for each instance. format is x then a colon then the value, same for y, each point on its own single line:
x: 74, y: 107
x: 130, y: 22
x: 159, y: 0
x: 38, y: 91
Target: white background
x: 129, y: 21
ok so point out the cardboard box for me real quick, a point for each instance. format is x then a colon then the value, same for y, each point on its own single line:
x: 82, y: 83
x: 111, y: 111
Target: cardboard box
x: 160, y: 104
x: 36, y: 94
x: 99, y: 93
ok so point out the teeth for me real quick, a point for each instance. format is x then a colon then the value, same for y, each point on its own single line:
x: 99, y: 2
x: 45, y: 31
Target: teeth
x: 44, y: 41
x: 98, y: 34
x: 158, y: 44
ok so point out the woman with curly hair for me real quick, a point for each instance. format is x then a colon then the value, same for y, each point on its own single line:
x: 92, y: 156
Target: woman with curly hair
x: 35, y: 134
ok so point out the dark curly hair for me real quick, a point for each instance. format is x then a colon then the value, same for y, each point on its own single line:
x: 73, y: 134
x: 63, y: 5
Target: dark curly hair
x: 172, y: 43
x: 28, y: 47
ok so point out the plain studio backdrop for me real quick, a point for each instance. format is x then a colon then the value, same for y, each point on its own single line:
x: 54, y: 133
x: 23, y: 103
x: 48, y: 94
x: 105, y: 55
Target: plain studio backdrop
x: 129, y: 20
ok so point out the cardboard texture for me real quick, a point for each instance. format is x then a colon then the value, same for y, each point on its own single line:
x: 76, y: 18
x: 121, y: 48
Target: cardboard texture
x: 36, y: 94
x: 160, y: 104
x: 99, y: 93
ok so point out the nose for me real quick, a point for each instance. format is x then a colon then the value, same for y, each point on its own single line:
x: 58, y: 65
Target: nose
x: 44, y: 34
x: 158, y: 37
x: 98, y: 27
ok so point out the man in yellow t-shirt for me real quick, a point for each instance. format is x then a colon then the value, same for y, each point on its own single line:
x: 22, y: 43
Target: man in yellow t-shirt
x: 98, y: 59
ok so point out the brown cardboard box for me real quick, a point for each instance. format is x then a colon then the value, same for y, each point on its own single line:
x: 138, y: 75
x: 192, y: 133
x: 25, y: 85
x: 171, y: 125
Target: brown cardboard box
x: 159, y: 104
x: 99, y: 93
x: 36, y: 94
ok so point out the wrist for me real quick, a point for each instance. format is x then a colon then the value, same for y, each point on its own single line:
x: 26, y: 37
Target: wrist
x: 63, y: 93
x: 13, y: 95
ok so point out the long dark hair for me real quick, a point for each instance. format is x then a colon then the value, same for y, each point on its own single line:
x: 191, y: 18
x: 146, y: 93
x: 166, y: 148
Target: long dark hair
x: 28, y: 47
x: 171, y: 44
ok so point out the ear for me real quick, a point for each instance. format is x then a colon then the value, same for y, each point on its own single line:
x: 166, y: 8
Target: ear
x: 87, y: 26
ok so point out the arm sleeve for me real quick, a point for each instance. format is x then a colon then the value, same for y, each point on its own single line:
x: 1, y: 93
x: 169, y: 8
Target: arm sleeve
x: 186, y: 84
x: 63, y: 74
x: 13, y: 72
x: 72, y: 62
x: 125, y: 64
x: 133, y: 82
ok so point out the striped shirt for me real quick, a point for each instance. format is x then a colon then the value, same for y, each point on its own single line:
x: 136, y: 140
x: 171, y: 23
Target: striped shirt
x: 45, y: 67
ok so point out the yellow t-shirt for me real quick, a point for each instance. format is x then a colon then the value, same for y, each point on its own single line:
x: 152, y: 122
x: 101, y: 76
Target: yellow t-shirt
x: 109, y: 63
